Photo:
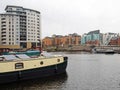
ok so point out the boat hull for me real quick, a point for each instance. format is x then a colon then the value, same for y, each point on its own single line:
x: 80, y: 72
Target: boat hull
x: 104, y: 51
x: 33, y: 73
x: 112, y: 52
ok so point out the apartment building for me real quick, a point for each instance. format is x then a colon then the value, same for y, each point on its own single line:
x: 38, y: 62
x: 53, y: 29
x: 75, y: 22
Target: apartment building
x: 108, y: 38
x: 47, y: 41
x: 115, y: 41
x: 91, y: 38
x: 19, y: 27
x: 59, y: 40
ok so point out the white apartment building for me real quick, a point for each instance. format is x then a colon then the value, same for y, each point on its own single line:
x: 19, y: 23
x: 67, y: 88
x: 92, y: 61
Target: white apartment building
x: 19, y: 27
x: 107, y: 37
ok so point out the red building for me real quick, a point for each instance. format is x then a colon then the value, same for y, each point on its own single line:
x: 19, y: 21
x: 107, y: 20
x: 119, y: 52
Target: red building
x: 115, y: 41
x: 47, y: 41
x: 95, y: 43
x: 58, y: 40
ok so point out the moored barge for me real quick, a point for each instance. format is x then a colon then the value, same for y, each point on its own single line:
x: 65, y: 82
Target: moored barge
x: 22, y: 67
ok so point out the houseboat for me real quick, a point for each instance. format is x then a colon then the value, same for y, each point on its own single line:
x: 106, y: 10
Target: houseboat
x: 22, y: 67
x: 105, y: 51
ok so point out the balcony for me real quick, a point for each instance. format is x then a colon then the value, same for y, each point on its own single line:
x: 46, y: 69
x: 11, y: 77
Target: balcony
x: 3, y: 26
x: 22, y: 21
x: 4, y: 43
x: 3, y: 29
x: 21, y: 27
x: 38, y: 33
x: 3, y: 22
x: 38, y: 36
x: 3, y: 19
x: 38, y: 30
x: 3, y: 33
x: 4, y: 40
x: 3, y: 36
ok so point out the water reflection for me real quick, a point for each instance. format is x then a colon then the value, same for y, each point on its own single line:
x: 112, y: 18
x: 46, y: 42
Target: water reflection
x: 84, y: 72
x: 52, y: 82
x: 78, y: 52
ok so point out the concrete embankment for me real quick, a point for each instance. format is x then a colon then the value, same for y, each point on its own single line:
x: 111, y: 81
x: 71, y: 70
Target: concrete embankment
x: 69, y: 48
x: 80, y: 48
x: 116, y: 49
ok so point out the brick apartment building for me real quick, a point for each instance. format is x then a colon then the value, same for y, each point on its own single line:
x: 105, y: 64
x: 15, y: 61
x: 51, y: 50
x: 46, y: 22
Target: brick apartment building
x: 95, y: 43
x: 115, y: 41
x: 58, y: 40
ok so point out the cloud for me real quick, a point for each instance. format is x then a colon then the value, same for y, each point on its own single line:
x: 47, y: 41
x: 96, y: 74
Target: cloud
x: 73, y: 16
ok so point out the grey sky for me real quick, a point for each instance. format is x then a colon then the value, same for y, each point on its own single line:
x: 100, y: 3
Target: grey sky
x: 63, y: 17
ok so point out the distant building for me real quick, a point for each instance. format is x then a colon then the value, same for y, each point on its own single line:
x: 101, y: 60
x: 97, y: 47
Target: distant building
x: 91, y: 38
x: 107, y: 37
x: 19, y: 27
x: 83, y: 39
x: 47, y: 41
x: 115, y: 41
x: 58, y: 40
x: 74, y: 39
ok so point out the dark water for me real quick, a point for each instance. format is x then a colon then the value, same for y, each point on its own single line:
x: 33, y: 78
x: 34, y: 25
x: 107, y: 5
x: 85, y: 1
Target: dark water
x: 85, y: 71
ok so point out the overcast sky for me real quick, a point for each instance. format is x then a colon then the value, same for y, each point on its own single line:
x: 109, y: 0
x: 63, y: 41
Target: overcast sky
x: 63, y: 17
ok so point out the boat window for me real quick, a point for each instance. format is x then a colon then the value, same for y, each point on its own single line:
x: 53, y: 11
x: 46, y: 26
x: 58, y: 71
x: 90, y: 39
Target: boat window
x: 19, y: 65
x: 41, y: 62
x: 58, y: 60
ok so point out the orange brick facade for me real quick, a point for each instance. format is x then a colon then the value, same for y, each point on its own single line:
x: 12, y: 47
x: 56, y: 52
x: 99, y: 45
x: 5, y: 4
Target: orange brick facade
x: 47, y: 41
x: 115, y: 42
x: 61, y: 40
x: 96, y: 42
x: 119, y: 41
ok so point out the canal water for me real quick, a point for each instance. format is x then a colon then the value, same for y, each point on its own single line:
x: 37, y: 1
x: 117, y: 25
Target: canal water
x: 85, y: 71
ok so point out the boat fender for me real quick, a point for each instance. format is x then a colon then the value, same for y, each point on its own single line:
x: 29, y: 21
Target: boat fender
x: 56, y: 68
x: 19, y: 74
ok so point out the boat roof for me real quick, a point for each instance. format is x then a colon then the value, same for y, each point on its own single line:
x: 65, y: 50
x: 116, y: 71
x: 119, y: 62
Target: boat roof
x: 22, y: 56
x: 15, y: 57
x: 10, y: 57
